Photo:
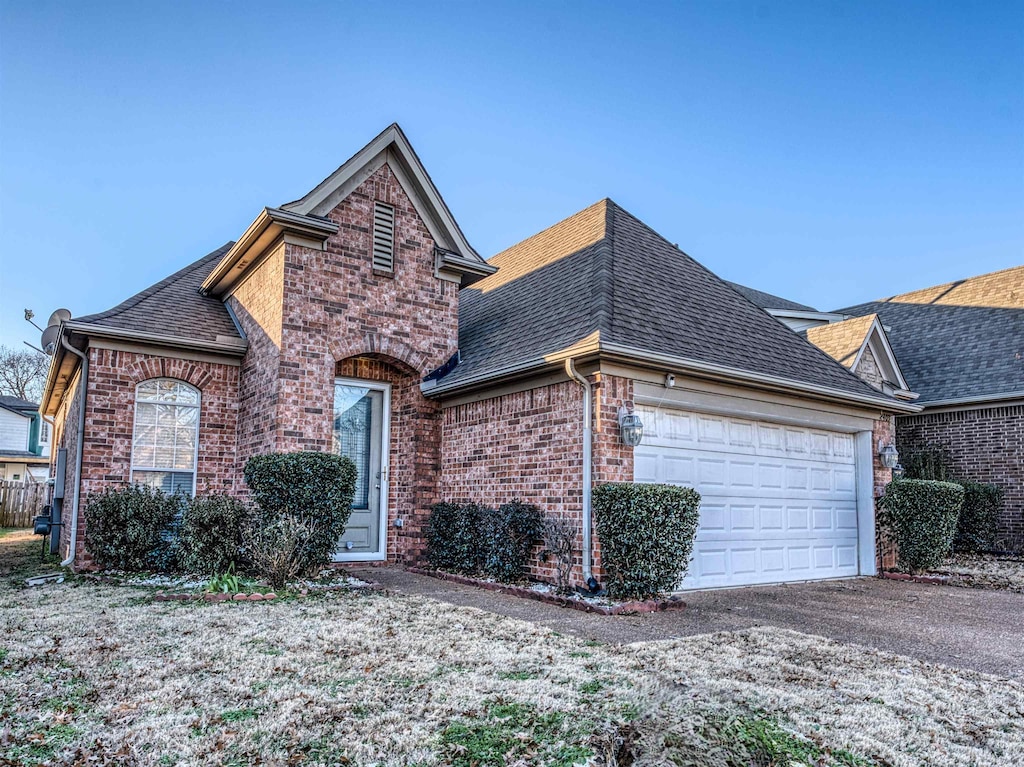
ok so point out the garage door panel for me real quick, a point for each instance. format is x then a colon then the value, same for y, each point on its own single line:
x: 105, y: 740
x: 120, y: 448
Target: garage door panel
x: 778, y: 501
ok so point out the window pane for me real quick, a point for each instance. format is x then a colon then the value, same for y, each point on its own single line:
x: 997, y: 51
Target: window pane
x: 166, y: 428
x: 352, y: 435
x: 167, y: 481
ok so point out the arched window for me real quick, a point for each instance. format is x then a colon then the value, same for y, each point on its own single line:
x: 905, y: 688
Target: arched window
x: 166, y: 436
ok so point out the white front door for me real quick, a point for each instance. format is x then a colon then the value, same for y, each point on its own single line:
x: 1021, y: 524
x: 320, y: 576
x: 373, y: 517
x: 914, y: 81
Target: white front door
x: 360, y: 432
x: 778, y: 502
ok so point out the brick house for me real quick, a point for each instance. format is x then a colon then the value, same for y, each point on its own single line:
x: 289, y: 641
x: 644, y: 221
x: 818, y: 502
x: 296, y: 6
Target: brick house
x: 358, y: 319
x: 960, y: 348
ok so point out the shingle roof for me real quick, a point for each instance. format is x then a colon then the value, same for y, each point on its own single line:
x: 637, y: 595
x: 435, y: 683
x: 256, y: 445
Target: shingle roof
x: 959, y: 340
x: 842, y: 340
x: 18, y: 404
x: 174, y: 307
x: 769, y: 301
x: 603, y: 275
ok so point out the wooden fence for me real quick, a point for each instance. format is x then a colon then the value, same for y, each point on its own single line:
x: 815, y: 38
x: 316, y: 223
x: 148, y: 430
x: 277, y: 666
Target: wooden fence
x: 20, y: 502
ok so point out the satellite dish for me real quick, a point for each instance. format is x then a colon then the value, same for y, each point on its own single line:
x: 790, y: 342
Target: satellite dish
x: 49, y: 339
x: 59, y: 316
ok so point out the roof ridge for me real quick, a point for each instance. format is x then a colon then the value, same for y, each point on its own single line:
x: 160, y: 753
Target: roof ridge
x: 155, y: 288
x: 950, y: 284
x: 602, y: 284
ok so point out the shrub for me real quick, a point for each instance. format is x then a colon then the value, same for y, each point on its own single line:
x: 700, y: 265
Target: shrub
x: 979, y: 515
x: 302, y: 502
x: 508, y: 533
x: 921, y: 514
x: 646, y: 533
x: 453, y: 537
x: 559, y: 536
x: 126, y: 527
x: 276, y: 548
x: 211, y: 533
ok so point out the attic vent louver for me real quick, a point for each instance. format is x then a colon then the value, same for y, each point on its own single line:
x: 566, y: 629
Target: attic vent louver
x: 383, y: 237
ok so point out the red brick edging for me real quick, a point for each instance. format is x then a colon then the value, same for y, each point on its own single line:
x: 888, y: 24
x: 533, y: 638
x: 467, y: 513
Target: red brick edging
x: 623, y: 608
x: 940, y: 580
x: 220, y: 597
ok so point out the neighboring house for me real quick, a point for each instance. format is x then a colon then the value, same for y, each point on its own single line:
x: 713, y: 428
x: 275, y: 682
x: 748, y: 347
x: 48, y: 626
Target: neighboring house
x: 959, y: 347
x: 24, y: 441
x: 358, y: 319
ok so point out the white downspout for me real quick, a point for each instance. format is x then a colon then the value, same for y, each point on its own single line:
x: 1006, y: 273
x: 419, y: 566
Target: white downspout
x: 588, y: 471
x: 79, y: 445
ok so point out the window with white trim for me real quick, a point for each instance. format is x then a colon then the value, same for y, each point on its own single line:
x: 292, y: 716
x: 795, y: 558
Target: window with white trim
x: 165, y: 440
x: 383, y: 237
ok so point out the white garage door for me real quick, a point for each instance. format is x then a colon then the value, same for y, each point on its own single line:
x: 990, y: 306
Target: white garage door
x: 778, y: 502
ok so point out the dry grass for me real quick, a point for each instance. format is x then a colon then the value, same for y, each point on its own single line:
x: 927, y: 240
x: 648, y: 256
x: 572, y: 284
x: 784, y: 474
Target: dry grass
x: 985, y: 571
x: 99, y: 671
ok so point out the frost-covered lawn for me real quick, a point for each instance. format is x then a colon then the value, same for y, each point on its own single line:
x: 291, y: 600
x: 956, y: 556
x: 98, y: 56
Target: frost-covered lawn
x: 101, y: 672
x: 985, y: 571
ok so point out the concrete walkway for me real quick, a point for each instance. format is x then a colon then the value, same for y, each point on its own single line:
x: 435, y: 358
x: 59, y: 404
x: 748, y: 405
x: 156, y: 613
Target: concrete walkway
x: 969, y: 628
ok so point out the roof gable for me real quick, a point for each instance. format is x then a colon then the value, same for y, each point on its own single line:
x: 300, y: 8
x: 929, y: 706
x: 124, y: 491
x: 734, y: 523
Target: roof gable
x: 392, y: 147
x: 960, y: 341
x: 848, y: 341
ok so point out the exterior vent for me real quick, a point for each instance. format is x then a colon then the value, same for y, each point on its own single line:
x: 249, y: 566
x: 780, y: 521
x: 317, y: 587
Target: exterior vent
x: 383, y: 237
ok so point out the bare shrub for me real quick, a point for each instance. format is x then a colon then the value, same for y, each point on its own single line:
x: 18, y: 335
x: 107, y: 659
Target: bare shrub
x: 559, y: 536
x: 277, y: 548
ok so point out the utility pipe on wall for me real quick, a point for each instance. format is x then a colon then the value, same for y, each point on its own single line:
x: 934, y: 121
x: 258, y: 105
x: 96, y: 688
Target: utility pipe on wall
x: 79, y: 445
x: 588, y: 471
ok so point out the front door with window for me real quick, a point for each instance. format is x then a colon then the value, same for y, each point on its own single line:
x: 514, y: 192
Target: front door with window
x: 360, y: 432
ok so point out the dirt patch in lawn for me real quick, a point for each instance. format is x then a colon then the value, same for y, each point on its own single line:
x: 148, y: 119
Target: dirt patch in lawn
x: 92, y: 670
x: 984, y: 571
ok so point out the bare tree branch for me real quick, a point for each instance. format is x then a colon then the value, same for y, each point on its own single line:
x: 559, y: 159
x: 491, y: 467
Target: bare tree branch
x: 23, y: 373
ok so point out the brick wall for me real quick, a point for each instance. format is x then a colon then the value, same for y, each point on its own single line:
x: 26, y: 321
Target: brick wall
x: 336, y: 306
x: 109, y: 419
x: 868, y: 370
x: 529, y: 445
x: 526, y: 445
x: 885, y: 547
x: 258, y: 304
x: 985, y: 445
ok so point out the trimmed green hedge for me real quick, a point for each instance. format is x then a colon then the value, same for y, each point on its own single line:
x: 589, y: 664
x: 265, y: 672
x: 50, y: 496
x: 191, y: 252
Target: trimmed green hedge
x: 453, y: 537
x: 646, y: 533
x: 470, y: 539
x: 303, y: 503
x: 921, y: 515
x: 127, y: 527
x: 977, y: 525
x: 211, y: 534
x: 508, y: 533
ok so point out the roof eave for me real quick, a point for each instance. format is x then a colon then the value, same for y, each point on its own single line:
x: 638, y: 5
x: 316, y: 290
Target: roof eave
x: 678, y: 364
x: 269, y: 225
x: 980, y: 399
x: 807, y: 315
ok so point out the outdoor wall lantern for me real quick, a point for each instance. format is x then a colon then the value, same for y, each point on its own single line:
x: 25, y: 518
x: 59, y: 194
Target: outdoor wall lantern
x: 889, y: 455
x: 630, y: 426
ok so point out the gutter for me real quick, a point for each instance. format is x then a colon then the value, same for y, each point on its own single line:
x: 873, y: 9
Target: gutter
x: 79, y: 448
x: 980, y: 399
x: 678, y: 364
x: 588, y: 473
x: 233, y: 347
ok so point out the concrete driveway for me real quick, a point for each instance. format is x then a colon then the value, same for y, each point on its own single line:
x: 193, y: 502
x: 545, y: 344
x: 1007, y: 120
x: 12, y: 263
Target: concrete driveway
x: 969, y: 628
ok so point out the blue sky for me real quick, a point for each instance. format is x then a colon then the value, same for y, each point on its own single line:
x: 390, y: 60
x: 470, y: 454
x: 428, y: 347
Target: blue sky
x: 829, y: 152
